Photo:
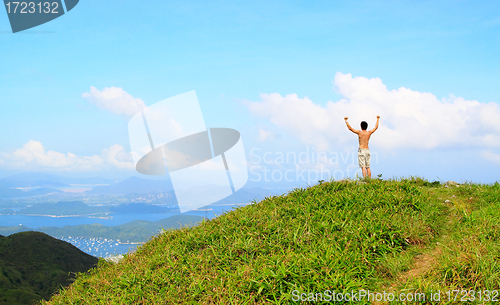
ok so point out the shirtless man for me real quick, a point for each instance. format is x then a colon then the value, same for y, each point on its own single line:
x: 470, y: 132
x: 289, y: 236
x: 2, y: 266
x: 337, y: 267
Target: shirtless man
x: 364, y: 151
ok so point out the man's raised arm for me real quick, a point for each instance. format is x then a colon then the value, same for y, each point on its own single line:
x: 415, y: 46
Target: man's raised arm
x: 349, y: 126
x: 376, y: 125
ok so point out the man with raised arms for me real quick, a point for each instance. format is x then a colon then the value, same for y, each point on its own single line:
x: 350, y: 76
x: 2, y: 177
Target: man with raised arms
x: 364, y: 151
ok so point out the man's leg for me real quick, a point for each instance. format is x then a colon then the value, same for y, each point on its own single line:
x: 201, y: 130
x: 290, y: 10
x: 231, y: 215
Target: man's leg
x: 367, y: 163
x: 361, y: 162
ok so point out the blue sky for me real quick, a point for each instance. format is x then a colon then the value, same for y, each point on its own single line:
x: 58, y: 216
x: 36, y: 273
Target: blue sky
x: 283, y: 73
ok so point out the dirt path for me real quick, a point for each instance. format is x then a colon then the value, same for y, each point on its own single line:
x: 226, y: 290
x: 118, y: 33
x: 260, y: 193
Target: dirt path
x: 424, y: 262
x: 421, y: 265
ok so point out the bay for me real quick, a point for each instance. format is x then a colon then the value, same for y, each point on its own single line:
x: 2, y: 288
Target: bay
x: 102, y: 247
x: 115, y: 219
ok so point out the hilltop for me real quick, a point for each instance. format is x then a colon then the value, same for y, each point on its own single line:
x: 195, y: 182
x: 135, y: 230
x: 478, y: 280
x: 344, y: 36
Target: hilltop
x: 33, y: 265
x: 382, y: 235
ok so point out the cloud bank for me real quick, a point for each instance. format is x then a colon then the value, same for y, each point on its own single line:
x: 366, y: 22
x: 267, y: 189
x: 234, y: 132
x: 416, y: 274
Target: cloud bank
x: 34, y: 156
x: 115, y: 100
x: 409, y: 119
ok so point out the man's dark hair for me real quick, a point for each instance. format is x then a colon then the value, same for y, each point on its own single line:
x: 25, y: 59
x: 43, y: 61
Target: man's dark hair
x: 364, y: 125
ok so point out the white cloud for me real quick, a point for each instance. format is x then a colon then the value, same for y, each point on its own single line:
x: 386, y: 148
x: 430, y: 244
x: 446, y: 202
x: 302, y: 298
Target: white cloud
x: 34, y: 156
x: 115, y: 100
x: 490, y: 156
x: 264, y: 135
x: 301, y: 117
x: 409, y: 119
x: 117, y: 156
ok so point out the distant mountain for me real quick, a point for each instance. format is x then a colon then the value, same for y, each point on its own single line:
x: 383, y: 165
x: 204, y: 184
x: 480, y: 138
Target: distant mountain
x: 6, y: 192
x: 89, y: 180
x: 134, y: 231
x: 42, y: 191
x: 34, y: 179
x: 156, y: 202
x: 6, y: 231
x: 134, y: 185
x: 6, y: 211
x: 70, y: 208
x: 62, y: 208
x: 34, y: 265
x: 130, y: 208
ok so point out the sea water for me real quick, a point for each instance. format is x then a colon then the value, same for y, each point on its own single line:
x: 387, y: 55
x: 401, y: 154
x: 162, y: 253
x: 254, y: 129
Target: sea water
x: 102, y: 247
x: 114, y: 219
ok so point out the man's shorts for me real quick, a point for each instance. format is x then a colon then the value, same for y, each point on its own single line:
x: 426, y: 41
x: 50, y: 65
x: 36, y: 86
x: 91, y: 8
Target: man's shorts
x: 364, y: 157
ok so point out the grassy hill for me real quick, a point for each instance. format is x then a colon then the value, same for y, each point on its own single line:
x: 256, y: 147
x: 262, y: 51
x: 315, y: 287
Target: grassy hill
x: 33, y: 265
x: 395, y: 236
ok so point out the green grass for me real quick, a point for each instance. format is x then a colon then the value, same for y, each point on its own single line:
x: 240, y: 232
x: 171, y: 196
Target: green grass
x: 33, y: 265
x: 469, y: 257
x: 337, y: 236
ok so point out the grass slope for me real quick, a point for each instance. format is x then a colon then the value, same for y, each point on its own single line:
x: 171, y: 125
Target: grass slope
x: 398, y: 235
